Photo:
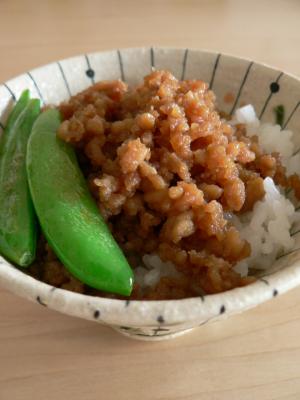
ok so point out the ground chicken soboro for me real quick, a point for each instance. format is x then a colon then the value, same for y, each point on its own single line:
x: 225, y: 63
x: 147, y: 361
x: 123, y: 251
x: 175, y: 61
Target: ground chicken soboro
x: 167, y: 172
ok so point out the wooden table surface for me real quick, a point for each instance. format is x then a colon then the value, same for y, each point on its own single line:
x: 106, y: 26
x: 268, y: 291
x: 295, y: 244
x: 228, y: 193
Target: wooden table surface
x: 46, y: 355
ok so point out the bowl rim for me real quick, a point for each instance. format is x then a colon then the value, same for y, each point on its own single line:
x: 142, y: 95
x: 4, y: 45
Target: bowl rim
x: 150, y: 312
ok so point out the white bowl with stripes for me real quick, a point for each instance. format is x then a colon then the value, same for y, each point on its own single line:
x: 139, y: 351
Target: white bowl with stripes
x: 236, y: 82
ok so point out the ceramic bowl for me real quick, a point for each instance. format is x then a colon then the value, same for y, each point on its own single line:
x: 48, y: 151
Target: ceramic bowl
x: 236, y: 82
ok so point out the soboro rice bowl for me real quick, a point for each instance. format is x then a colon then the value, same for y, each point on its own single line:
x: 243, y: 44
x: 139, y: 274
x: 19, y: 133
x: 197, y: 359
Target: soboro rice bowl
x: 194, y: 197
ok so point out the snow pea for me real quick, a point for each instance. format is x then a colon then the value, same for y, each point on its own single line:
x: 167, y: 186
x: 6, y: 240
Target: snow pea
x: 17, y: 218
x: 68, y: 215
x: 16, y: 111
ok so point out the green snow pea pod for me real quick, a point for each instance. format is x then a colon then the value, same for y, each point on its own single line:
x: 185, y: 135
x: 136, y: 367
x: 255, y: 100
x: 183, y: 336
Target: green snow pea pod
x: 14, y: 114
x: 68, y: 215
x: 16, y: 111
x: 17, y: 218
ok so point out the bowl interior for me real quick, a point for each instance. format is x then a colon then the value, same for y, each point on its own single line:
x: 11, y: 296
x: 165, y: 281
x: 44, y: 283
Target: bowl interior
x: 235, y: 81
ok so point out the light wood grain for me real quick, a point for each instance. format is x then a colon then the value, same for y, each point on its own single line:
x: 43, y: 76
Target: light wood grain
x: 46, y: 355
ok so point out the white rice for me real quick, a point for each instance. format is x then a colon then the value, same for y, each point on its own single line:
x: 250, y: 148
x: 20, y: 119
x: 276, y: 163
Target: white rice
x: 267, y: 227
x: 154, y: 269
x: 271, y: 138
